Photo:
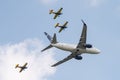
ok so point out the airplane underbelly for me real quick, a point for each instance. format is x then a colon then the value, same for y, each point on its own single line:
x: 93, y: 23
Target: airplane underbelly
x: 65, y: 48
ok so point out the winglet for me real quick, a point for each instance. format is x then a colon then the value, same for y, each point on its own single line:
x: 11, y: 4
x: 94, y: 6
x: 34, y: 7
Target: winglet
x: 61, y: 8
x: 83, y: 22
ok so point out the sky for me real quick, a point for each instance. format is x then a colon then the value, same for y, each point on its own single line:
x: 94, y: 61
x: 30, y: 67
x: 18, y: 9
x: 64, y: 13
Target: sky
x: 22, y: 27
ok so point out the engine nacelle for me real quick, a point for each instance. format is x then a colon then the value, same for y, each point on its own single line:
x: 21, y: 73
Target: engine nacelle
x: 78, y: 57
x: 88, y: 45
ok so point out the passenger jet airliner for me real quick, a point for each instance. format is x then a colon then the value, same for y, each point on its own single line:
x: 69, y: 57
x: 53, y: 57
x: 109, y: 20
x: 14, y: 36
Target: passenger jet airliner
x: 76, y: 50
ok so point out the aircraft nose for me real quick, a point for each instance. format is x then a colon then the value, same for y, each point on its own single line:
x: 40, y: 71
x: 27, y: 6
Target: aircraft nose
x: 98, y: 51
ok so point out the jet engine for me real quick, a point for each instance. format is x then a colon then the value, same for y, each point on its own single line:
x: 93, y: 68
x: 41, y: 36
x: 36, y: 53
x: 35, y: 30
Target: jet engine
x: 78, y: 57
x: 88, y: 45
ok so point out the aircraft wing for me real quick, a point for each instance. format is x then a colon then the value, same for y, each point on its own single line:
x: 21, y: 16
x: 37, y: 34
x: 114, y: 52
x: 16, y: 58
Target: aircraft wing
x: 61, y: 29
x: 65, y: 23
x: 59, y: 11
x: 21, y: 70
x: 25, y: 64
x: 82, y: 40
x: 55, y: 16
x: 64, y: 60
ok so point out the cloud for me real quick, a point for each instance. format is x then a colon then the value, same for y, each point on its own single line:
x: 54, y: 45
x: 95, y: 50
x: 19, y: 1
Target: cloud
x: 26, y: 51
x: 95, y: 3
x: 48, y: 1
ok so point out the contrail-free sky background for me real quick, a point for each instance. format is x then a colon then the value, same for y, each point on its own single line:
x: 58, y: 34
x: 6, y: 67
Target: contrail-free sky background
x: 22, y: 23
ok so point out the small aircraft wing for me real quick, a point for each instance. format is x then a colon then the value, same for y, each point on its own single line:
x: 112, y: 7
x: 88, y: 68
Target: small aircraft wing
x: 65, y: 23
x: 64, y: 60
x: 55, y: 16
x: 25, y: 64
x: 59, y: 11
x: 82, y: 40
x: 61, y: 29
x: 23, y: 67
x: 21, y: 70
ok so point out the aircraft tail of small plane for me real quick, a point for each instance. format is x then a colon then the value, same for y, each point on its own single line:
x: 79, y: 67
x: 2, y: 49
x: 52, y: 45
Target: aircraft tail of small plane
x: 51, y: 11
x: 17, y: 65
x: 57, y: 25
x: 53, y: 40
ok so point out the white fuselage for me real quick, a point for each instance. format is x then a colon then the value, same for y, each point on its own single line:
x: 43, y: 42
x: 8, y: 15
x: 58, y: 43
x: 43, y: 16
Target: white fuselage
x: 72, y: 48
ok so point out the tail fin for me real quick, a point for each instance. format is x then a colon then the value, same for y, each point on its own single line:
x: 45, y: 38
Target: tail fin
x: 48, y: 36
x: 52, y: 40
x: 57, y: 25
x: 16, y: 65
x: 51, y: 11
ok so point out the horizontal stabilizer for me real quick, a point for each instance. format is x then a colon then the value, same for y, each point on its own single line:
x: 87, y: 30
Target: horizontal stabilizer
x: 54, y: 40
x: 48, y: 36
x: 51, y: 11
x: 48, y: 47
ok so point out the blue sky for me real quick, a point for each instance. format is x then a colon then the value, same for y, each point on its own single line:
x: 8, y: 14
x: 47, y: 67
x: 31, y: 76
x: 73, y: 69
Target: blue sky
x: 28, y: 19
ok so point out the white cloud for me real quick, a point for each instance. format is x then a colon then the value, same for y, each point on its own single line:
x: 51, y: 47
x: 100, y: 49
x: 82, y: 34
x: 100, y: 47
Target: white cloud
x: 95, y: 3
x: 26, y: 51
x: 48, y: 1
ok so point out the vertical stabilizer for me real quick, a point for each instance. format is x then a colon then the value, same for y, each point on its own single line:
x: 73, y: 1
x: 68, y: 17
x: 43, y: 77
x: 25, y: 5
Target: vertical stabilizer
x: 48, y: 47
x: 52, y: 40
